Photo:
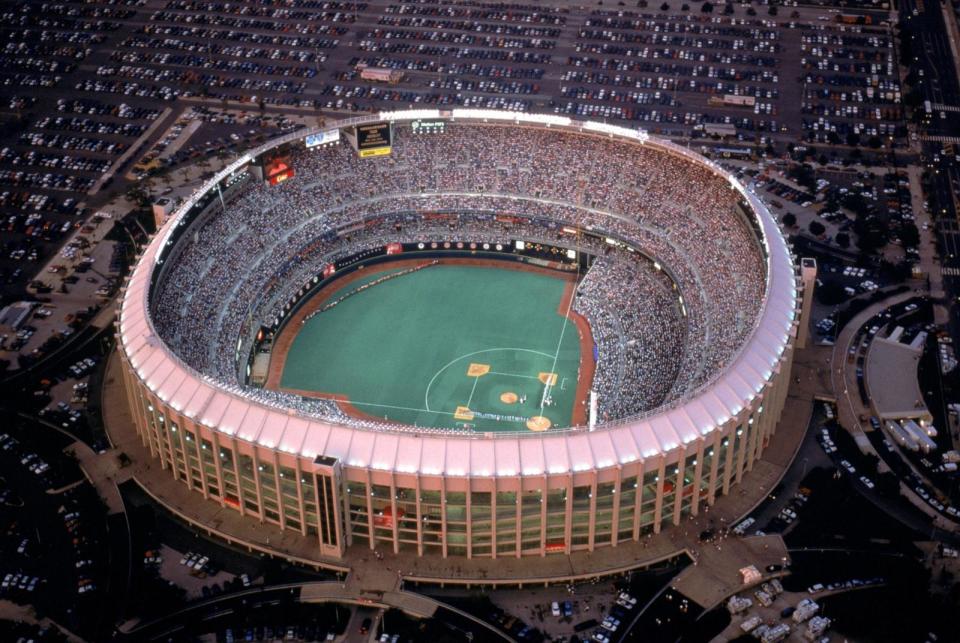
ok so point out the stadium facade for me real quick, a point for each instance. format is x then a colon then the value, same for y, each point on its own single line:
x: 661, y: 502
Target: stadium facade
x: 450, y: 494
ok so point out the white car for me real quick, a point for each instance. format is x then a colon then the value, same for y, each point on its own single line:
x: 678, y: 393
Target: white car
x: 610, y: 623
x: 555, y: 608
x: 625, y: 600
x: 846, y: 465
x: 867, y: 482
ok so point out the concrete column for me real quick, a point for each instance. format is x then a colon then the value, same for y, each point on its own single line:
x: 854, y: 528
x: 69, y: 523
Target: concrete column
x: 257, y: 484
x: 658, y: 503
x: 443, y: 515
x: 638, y: 502
x: 276, y: 487
x: 300, y: 503
x: 714, y: 468
x: 519, y: 509
x: 591, y: 534
x: 218, y: 466
x: 493, y: 522
x: 416, y: 490
x: 370, y: 526
x: 469, y: 517
x: 396, y: 517
x: 568, y: 514
x: 697, y: 479
x: 543, y: 515
x: 728, y: 472
x: 615, y: 514
x: 678, y: 486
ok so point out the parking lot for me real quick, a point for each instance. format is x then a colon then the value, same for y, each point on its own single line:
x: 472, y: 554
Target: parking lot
x: 55, y: 555
x: 85, y: 84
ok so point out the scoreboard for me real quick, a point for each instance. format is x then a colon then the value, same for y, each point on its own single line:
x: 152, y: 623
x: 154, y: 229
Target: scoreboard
x: 374, y: 139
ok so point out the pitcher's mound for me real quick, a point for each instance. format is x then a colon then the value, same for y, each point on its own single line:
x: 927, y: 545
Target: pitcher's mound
x: 538, y: 423
x: 509, y: 398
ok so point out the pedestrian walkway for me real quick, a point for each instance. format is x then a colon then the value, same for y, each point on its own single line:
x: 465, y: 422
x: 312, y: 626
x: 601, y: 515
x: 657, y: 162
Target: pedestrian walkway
x: 415, y: 604
x: 716, y: 572
x: 10, y: 611
x: 852, y: 412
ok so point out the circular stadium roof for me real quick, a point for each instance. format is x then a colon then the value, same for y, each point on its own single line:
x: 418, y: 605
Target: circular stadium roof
x: 232, y: 410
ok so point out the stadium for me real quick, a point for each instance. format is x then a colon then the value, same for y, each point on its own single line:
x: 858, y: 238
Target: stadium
x: 462, y: 333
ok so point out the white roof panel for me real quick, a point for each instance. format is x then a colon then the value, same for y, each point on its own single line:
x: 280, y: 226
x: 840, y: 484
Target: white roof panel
x: 384, y: 453
x: 233, y: 416
x: 458, y: 457
x: 532, y: 462
x: 215, y: 410
x: 483, y: 459
x: 315, y: 442
x: 292, y: 440
x: 508, y: 457
x: 270, y: 430
x: 556, y: 455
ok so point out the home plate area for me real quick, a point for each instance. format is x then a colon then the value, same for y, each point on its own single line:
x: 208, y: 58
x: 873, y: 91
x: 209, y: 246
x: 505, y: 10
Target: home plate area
x: 513, y: 398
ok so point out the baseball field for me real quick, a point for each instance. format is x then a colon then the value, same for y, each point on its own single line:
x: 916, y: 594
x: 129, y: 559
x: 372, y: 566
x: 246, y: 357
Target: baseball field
x: 485, y: 346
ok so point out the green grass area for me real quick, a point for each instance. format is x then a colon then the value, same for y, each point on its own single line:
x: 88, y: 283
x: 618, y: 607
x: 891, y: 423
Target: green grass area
x: 401, y: 350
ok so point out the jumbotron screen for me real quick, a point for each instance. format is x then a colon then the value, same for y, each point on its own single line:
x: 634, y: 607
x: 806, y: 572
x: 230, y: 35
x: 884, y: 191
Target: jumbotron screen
x: 374, y: 139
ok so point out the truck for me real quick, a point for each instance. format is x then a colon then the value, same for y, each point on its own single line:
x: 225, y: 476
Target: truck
x: 732, y: 100
x: 751, y: 623
x: 951, y: 456
x: 900, y: 436
x: 379, y: 74
x: 927, y: 429
x: 765, y: 599
x: 805, y: 609
x: 737, y: 604
x: 721, y: 130
x: 816, y: 627
x: 776, y: 634
x: 918, y: 435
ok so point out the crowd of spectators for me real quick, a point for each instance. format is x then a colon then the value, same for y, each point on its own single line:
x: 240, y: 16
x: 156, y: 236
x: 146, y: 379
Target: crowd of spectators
x: 488, y: 183
x: 639, y: 331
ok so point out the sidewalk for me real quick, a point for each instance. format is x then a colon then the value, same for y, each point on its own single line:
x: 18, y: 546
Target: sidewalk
x: 10, y: 611
x: 850, y: 408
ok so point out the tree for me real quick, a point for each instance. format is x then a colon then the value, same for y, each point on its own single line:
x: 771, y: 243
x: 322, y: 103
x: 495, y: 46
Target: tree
x: 789, y: 219
x: 909, y: 235
x: 875, y: 142
x: 830, y: 293
x: 728, y: 9
x: 707, y: 7
x: 804, y: 175
x: 772, y: 10
x: 870, y: 462
x: 751, y: 11
x: 685, y: 7
x: 853, y: 139
x: 817, y: 228
x: 888, y: 485
x: 833, y: 138
x: 664, y: 7
x: 843, y: 240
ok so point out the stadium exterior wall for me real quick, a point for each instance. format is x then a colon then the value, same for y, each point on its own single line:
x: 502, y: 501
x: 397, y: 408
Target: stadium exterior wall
x: 453, y: 495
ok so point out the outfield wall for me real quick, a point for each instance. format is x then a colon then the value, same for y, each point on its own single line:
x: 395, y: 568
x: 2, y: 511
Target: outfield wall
x: 438, y: 493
